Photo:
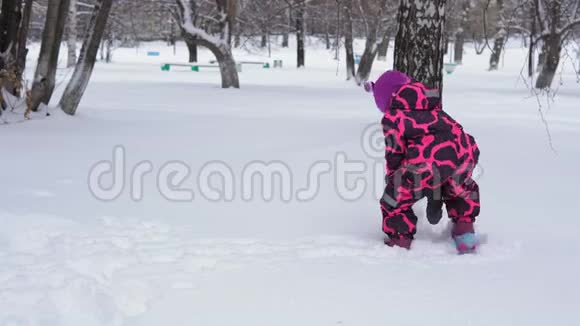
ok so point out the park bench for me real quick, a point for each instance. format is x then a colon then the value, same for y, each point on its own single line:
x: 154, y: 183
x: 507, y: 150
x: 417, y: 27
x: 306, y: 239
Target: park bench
x: 263, y: 64
x: 194, y: 66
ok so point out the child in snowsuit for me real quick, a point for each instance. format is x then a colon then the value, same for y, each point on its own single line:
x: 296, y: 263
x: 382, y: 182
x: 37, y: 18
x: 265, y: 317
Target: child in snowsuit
x: 428, y: 154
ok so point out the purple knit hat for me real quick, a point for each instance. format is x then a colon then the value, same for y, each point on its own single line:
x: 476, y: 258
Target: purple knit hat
x: 387, y: 85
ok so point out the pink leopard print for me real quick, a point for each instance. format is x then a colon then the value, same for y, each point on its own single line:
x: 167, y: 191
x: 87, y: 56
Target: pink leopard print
x: 428, y: 154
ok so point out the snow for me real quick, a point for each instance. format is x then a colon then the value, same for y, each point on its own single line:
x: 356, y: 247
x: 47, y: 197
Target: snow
x: 67, y: 258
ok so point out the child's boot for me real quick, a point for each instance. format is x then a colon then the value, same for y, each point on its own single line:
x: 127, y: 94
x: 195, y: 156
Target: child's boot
x: 463, y: 234
x: 399, y: 241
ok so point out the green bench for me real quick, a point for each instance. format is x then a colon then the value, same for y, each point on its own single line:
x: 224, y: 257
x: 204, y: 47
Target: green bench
x: 194, y: 66
x: 265, y: 65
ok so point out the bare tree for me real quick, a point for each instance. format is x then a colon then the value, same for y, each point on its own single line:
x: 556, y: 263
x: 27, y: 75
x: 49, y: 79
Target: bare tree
x: 500, y: 36
x: 218, y: 37
x: 373, y: 13
x: 45, y: 75
x: 22, y: 51
x: 300, y: 32
x: 77, y: 85
x: 71, y: 41
x: 556, y: 19
x: 383, y: 48
x: 348, y: 39
x: 419, y: 45
x: 9, y: 23
x: 461, y: 27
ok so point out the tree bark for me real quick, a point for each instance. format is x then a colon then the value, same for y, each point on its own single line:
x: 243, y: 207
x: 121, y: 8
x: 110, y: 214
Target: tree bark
x: 460, y: 33
x: 300, y: 34
x: 45, y: 75
x: 551, y: 51
x: 458, y: 47
x: 499, y: 38
x: 373, y: 35
x: 237, y: 40
x: 22, y: 51
x: 71, y: 41
x: 327, y: 37
x: 367, y: 59
x: 383, y: 48
x: 286, y: 35
x: 264, y: 40
x: 419, y: 45
x: 191, y: 48
x: 76, y: 87
x: 551, y: 47
x: 348, y: 40
x: 109, y: 45
x: 9, y: 24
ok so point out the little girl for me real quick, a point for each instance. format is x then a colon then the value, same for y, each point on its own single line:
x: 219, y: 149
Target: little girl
x: 429, y: 155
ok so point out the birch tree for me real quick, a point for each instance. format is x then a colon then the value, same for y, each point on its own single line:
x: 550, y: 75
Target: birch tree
x: 9, y: 24
x: 22, y: 50
x: 500, y: 36
x: 348, y: 39
x: 218, y: 37
x: 419, y: 44
x: 77, y: 85
x: 71, y: 41
x: 300, y: 13
x: 373, y: 15
x: 45, y: 75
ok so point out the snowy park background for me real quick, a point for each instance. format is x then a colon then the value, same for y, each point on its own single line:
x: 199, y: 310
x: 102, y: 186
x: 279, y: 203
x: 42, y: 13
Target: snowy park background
x: 67, y: 258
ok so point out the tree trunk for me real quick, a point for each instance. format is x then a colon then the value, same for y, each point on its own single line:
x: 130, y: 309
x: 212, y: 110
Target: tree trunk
x: 458, y: 50
x: 22, y: 51
x: 191, y: 48
x: 496, y: 53
x: 286, y: 34
x: 532, y: 42
x: 109, y: 43
x: 237, y: 41
x: 383, y: 48
x: 75, y: 89
x: 374, y: 33
x: 71, y: 41
x: 9, y: 24
x: 499, y: 38
x: 226, y: 61
x: 45, y: 75
x: 348, y: 40
x: 102, y: 50
x: 460, y: 33
x: 327, y: 37
x: 300, y: 34
x: 367, y: 59
x: 553, y: 48
x: 419, y: 45
x: 264, y: 40
x: 542, y: 56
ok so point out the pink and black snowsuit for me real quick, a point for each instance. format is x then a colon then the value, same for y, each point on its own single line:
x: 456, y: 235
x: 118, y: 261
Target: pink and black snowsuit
x: 428, y: 154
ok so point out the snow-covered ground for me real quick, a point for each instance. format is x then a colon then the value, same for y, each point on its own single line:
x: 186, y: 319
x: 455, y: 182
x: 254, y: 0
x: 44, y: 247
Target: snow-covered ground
x: 68, y: 258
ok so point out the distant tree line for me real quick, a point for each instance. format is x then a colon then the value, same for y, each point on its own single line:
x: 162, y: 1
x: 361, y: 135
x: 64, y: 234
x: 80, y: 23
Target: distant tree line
x: 419, y: 31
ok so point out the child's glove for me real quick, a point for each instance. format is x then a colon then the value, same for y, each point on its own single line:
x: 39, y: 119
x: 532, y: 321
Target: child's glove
x: 434, y: 211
